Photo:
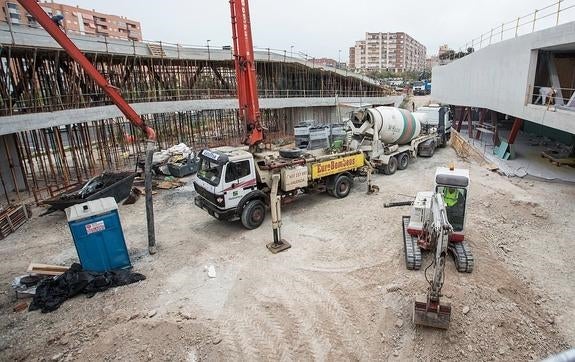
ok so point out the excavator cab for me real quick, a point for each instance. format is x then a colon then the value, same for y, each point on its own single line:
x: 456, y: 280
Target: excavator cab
x: 453, y: 185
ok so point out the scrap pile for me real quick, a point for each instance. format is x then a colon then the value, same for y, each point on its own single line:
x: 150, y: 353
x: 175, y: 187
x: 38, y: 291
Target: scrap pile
x: 177, y: 161
x: 109, y: 184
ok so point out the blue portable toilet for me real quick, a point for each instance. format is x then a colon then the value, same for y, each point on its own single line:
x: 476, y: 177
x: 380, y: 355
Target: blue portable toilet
x: 98, y: 236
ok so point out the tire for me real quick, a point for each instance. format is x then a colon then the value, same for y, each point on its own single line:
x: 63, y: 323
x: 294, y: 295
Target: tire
x: 402, y: 161
x: 253, y: 214
x: 291, y: 152
x: 342, y: 187
x: 391, y: 166
x: 432, y: 151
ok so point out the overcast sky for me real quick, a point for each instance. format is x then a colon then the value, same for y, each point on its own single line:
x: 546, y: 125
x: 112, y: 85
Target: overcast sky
x: 317, y: 27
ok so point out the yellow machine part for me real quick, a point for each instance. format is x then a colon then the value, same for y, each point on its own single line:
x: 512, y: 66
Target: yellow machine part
x: 336, y: 165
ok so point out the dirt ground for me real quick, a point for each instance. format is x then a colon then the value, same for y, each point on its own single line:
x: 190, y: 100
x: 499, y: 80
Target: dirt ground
x: 340, y: 293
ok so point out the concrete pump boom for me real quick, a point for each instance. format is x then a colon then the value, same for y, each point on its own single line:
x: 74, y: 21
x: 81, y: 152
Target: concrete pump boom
x: 247, y: 85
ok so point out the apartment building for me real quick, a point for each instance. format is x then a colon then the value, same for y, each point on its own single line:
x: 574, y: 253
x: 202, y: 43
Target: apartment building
x: 76, y: 20
x: 396, y: 52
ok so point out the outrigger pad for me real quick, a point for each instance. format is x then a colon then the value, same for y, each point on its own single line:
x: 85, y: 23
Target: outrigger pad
x: 424, y: 316
x: 278, y: 247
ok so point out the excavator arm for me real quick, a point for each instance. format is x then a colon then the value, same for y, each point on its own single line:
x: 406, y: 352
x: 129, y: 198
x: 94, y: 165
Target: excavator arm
x: 246, y: 80
x: 432, y: 312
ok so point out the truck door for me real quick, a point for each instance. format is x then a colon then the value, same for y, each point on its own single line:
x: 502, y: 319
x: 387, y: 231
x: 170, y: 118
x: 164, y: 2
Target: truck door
x: 239, y: 180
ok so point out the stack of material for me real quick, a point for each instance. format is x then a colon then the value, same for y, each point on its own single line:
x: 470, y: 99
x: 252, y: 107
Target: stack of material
x: 176, y: 161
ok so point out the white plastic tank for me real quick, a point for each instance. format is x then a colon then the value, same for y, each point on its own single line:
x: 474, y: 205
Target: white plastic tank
x: 393, y: 125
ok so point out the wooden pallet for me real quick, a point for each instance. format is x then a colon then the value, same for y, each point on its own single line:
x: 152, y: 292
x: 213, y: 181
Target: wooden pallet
x: 558, y: 159
x: 11, y: 219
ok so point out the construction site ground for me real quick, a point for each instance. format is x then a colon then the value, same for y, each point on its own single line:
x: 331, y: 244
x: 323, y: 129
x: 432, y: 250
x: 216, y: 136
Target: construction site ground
x: 340, y: 293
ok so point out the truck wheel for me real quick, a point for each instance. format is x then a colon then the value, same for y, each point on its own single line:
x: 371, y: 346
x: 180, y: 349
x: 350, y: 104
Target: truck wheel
x: 342, y: 187
x: 391, y: 166
x: 403, y: 161
x: 253, y: 214
x: 432, y: 150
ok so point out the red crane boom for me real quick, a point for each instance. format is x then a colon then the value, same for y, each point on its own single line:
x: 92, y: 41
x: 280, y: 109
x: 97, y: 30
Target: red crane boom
x: 72, y: 50
x: 247, y: 85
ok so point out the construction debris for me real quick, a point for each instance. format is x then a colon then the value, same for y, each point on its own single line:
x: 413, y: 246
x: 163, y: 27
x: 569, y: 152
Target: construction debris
x: 109, y: 184
x: 168, y: 183
x: 51, y: 293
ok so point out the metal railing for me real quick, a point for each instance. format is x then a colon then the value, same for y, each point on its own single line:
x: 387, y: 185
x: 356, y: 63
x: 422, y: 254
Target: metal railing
x: 552, y: 98
x: 85, y: 100
x: 559, y: 12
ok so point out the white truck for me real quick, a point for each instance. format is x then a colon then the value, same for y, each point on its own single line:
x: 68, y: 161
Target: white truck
x: 233, y: 183
x: 392, y: 137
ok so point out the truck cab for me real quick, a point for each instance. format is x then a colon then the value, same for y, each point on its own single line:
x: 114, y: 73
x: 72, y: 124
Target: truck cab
x: 226, y: 182
x: 435, y: 115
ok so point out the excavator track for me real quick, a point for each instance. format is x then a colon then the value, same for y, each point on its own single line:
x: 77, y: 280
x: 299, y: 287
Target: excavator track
x: 411, y: 249
x: 462, y: 256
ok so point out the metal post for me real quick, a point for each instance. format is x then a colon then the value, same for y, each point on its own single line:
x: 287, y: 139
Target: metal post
x: 151, y: 147
x: 534, y: 20
x: 481, y: 41
x: 490, y: 36
x: 515, y: 130
x: 517, y: 27
x: 502, y: 26
x: 558, y: 10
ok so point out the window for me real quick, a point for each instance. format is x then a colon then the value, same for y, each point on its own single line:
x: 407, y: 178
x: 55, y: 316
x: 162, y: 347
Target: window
x: 455, y: 206
x: 209, y: 171
x: 237, y: 170
x: 14, y: 16
x: 12, y: 6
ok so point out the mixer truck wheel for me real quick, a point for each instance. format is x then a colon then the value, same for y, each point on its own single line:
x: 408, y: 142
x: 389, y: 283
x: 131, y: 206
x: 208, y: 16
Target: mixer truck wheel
x: 342, y: 187
x: 391, y: 166
x: 403, y: 161
x: 253, y: 214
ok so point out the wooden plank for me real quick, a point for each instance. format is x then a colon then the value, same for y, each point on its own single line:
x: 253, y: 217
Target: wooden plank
x: 46, y: 269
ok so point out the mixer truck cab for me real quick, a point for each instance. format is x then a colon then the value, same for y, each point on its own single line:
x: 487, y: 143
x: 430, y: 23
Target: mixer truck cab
x: 226, y: 182
x: 435, y: 115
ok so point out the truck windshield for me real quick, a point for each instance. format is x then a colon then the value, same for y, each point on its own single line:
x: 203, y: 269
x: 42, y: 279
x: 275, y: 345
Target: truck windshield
x: 418, y: 84
x: 210, y: 172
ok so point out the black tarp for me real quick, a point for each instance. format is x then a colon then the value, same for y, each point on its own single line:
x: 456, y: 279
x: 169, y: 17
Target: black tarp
x: 51, y: 293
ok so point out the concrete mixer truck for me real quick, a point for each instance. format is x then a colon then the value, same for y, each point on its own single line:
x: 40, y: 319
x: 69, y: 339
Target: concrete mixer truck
x: 391, y: 137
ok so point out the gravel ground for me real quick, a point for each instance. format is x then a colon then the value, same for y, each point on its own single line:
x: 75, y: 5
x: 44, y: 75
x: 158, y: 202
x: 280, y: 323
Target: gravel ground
x: 341, y: 291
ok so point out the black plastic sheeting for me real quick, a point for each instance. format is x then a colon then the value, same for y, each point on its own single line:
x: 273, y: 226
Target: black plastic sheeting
x: 51, y: 293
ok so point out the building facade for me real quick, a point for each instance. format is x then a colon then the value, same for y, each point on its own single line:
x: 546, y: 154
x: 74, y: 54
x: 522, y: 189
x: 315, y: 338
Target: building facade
x: 76, y: 20
x: 396, y: 52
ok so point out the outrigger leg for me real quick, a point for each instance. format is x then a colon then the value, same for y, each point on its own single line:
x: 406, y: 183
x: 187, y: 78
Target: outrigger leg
x: 279, y: 244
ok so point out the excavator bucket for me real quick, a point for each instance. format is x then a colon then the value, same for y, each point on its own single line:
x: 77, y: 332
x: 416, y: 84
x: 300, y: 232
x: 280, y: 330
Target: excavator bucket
x: 436, y: 316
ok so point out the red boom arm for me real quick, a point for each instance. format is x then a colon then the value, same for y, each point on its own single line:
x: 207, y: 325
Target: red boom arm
x: 246, y: 71
x: 52, y: 28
